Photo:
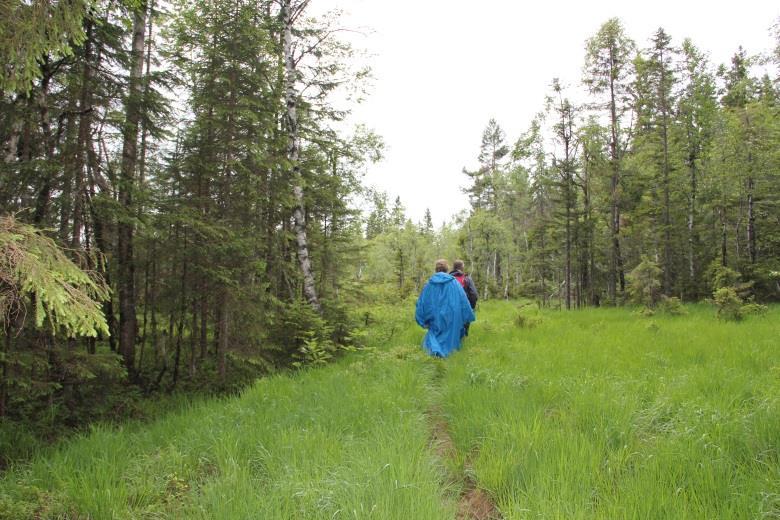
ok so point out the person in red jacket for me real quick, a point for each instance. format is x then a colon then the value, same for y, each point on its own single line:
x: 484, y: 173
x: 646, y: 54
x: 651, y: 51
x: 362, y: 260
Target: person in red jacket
x: 467, y: 283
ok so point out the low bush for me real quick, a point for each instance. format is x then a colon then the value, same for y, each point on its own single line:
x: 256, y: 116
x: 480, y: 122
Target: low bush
x: 729, y: 304
x: 672, y: 306
x: 527, y: 321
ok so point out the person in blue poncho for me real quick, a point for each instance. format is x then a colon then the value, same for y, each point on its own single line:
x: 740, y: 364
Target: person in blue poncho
x: 444, y: 310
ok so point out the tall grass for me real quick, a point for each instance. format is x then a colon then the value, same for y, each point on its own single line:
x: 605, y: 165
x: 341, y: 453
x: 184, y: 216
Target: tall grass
x: 601, y: 413
x: 597, y: 413
x: 346, y: 441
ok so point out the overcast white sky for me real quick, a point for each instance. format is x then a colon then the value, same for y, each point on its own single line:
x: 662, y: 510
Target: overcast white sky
x: 443, y: 68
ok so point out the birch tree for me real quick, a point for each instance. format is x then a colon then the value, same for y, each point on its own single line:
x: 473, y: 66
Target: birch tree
x: 290, y: 12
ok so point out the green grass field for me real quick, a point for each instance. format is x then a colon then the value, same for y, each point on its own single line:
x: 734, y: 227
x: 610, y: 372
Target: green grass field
x: 586, y: 414
x: 604, y: 414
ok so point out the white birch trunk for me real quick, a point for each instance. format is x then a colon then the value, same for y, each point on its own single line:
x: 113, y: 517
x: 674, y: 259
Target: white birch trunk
x: 291, y: 119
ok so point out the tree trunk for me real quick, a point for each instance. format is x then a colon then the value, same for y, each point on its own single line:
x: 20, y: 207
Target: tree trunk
x: 44, y: 193
x: 153, y: 303
x: 204, y: 314
x: 145, y: 130
x: 568, y: 180
x: 616, y: 276
x: 667, y: 280
x: 222, y: 341
x: 82, y: 144
x: 750, y: 187
x: 145, y: 318
x: 11, y: 143
x: 751, y: 225
x: 193, y: 336
x: 127, y: 185
x: 182, y: 314
x: 691, y: 221
x: 70, y: 152
x: 101, y: 242
x: 723, y: 238
x: 588, y: 262
x: 567, y: 277
x: 291, y: 124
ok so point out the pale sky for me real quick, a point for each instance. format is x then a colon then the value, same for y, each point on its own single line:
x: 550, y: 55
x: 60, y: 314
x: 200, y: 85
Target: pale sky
x: 442, y: 69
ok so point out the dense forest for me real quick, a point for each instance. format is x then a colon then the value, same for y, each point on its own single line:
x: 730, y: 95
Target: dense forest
x: 180, y: 197
x: 667, y: 162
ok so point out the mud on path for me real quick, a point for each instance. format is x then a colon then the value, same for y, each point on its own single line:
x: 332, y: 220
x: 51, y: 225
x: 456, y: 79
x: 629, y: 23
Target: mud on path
x: 473, y: 503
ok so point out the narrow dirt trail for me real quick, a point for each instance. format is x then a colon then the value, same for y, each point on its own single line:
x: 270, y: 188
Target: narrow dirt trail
x: 473, y: 503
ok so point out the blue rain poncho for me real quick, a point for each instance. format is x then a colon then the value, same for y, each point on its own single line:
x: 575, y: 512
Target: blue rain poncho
x: 443, y: 309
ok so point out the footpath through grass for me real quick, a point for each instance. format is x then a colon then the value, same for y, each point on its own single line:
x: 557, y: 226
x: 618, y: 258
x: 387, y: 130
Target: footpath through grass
x: 586, y: 414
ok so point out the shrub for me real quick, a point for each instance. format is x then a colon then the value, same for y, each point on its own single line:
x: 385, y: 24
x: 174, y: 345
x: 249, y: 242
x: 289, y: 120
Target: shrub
x: 765, y: 280
x: 298, y: 326
x: 305, y: 337
x: 753, y: 308
x: 722, y: 276
x: 526, y: 321
x: 672, y: 306
x: 734, y: 298
x: 729, y: 304
x: 644, y: 283
x: 647, y: 312
x: 314, y: 351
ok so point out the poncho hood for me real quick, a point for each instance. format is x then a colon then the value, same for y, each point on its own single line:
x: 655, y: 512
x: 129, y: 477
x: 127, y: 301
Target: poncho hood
x: 440, y: 278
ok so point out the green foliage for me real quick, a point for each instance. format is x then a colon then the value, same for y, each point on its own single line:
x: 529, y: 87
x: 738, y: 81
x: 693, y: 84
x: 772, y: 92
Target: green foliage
x: 387, y: 321
x: 350, y: 436
x: 671, y: 306
x: 614, y: 407
x: 399, y: 260
x: 527, y: 318
x: 752, y: 308
x: 765, y: 281
x: 31, y: 265
x: 309, y: 338
x: 723, y: 276
x: 733, y: 298
x: 53, y: 390
x: 690, y: 182
x: 313, y: 352
x: 320, y: 337
x: 620, y: 409
x: 525, y: 321
x: 644, y: 284
x: 216, y: 272
x: 31, y: 32
x: 729, y: 304
x: 18, y: 443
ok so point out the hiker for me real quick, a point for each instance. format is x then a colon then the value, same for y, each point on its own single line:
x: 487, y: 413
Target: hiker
x: 468, y: 286
x: 443, y: 309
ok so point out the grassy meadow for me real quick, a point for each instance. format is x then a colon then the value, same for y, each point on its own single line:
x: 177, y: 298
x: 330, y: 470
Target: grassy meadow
x: 604, y: 414
x: 349, y: 440
x: 597, y: 413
